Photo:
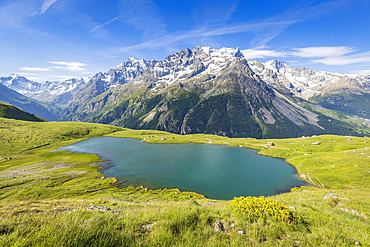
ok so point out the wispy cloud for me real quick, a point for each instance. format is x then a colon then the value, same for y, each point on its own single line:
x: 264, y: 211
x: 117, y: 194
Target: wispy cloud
x: 143, y: 15
x: 263, y: 53
x: 322, y: 51
x: 57, y: 70
x: 263, y: 30
x: 363, y: 57
x: 328, y: 55
x: 46, y: 5
x: 13, y: 14
x: 201, y: 32
x: 70, y: 66
x: 214, y: 11
x: 70, y: 15
x: 104, y: 24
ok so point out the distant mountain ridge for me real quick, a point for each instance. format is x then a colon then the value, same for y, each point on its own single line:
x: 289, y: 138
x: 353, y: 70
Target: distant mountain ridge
x: 58, y: 92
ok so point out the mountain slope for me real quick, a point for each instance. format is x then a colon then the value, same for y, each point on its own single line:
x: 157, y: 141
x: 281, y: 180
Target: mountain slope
x: 9, y: 111
x: 27, y: 104
x: 197, y: 91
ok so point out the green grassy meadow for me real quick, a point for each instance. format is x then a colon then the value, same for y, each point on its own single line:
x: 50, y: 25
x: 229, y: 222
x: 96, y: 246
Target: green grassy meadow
x: 62, y: 198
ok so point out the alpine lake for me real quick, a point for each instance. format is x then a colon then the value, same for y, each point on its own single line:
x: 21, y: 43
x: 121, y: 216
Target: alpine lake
x: 215, y: 171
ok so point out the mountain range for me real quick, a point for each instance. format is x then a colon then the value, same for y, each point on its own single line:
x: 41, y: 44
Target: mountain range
x: 214, y: 91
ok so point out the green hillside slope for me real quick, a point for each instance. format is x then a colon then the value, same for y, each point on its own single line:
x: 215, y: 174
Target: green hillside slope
x: 9, y: 111
x: 11, y: 97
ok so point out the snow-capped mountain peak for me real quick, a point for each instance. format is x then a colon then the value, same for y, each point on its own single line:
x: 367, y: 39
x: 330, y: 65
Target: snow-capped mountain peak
x: 178, y: 66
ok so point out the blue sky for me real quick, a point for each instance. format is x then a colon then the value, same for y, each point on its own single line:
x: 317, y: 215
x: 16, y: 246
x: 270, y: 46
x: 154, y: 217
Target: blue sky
x: 58, y: 39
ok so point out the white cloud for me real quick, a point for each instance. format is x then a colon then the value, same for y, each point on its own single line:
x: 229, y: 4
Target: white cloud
x: 262, y: 53
x: 71, y: 66
x: 46, y: 5
x: 26, y: 74
x: 322, y: 51
x: 329, y: 55
x: 34, y: 69
x: 344, y: 60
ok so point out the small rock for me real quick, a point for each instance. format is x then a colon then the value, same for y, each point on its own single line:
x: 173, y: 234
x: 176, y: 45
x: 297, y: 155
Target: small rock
x: 330, y: 195
x: 190, y: 196
x: 241, y: 232
x: 147, y: 228
x: 219, y: 227
x: 357, y: 243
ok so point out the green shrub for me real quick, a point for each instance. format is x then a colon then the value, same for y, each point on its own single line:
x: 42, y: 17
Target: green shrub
x: 255, y: 208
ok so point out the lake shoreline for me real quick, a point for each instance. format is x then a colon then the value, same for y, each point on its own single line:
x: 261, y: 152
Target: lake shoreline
x: 121, y: 184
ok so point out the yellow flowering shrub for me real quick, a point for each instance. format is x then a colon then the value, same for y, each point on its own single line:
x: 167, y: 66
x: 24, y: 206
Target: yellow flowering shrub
x: 262, y: 208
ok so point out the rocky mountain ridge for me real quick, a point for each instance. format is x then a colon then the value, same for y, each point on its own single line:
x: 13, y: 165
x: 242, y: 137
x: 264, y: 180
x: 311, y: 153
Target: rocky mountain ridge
x: 202, y: 90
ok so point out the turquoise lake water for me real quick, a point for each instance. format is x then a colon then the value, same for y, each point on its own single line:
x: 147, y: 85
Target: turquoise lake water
x: 216, y: 171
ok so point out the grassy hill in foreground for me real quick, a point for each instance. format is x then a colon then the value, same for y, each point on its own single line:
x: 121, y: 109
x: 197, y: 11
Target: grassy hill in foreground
x: 9, y: 111
x: 62, y: 199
